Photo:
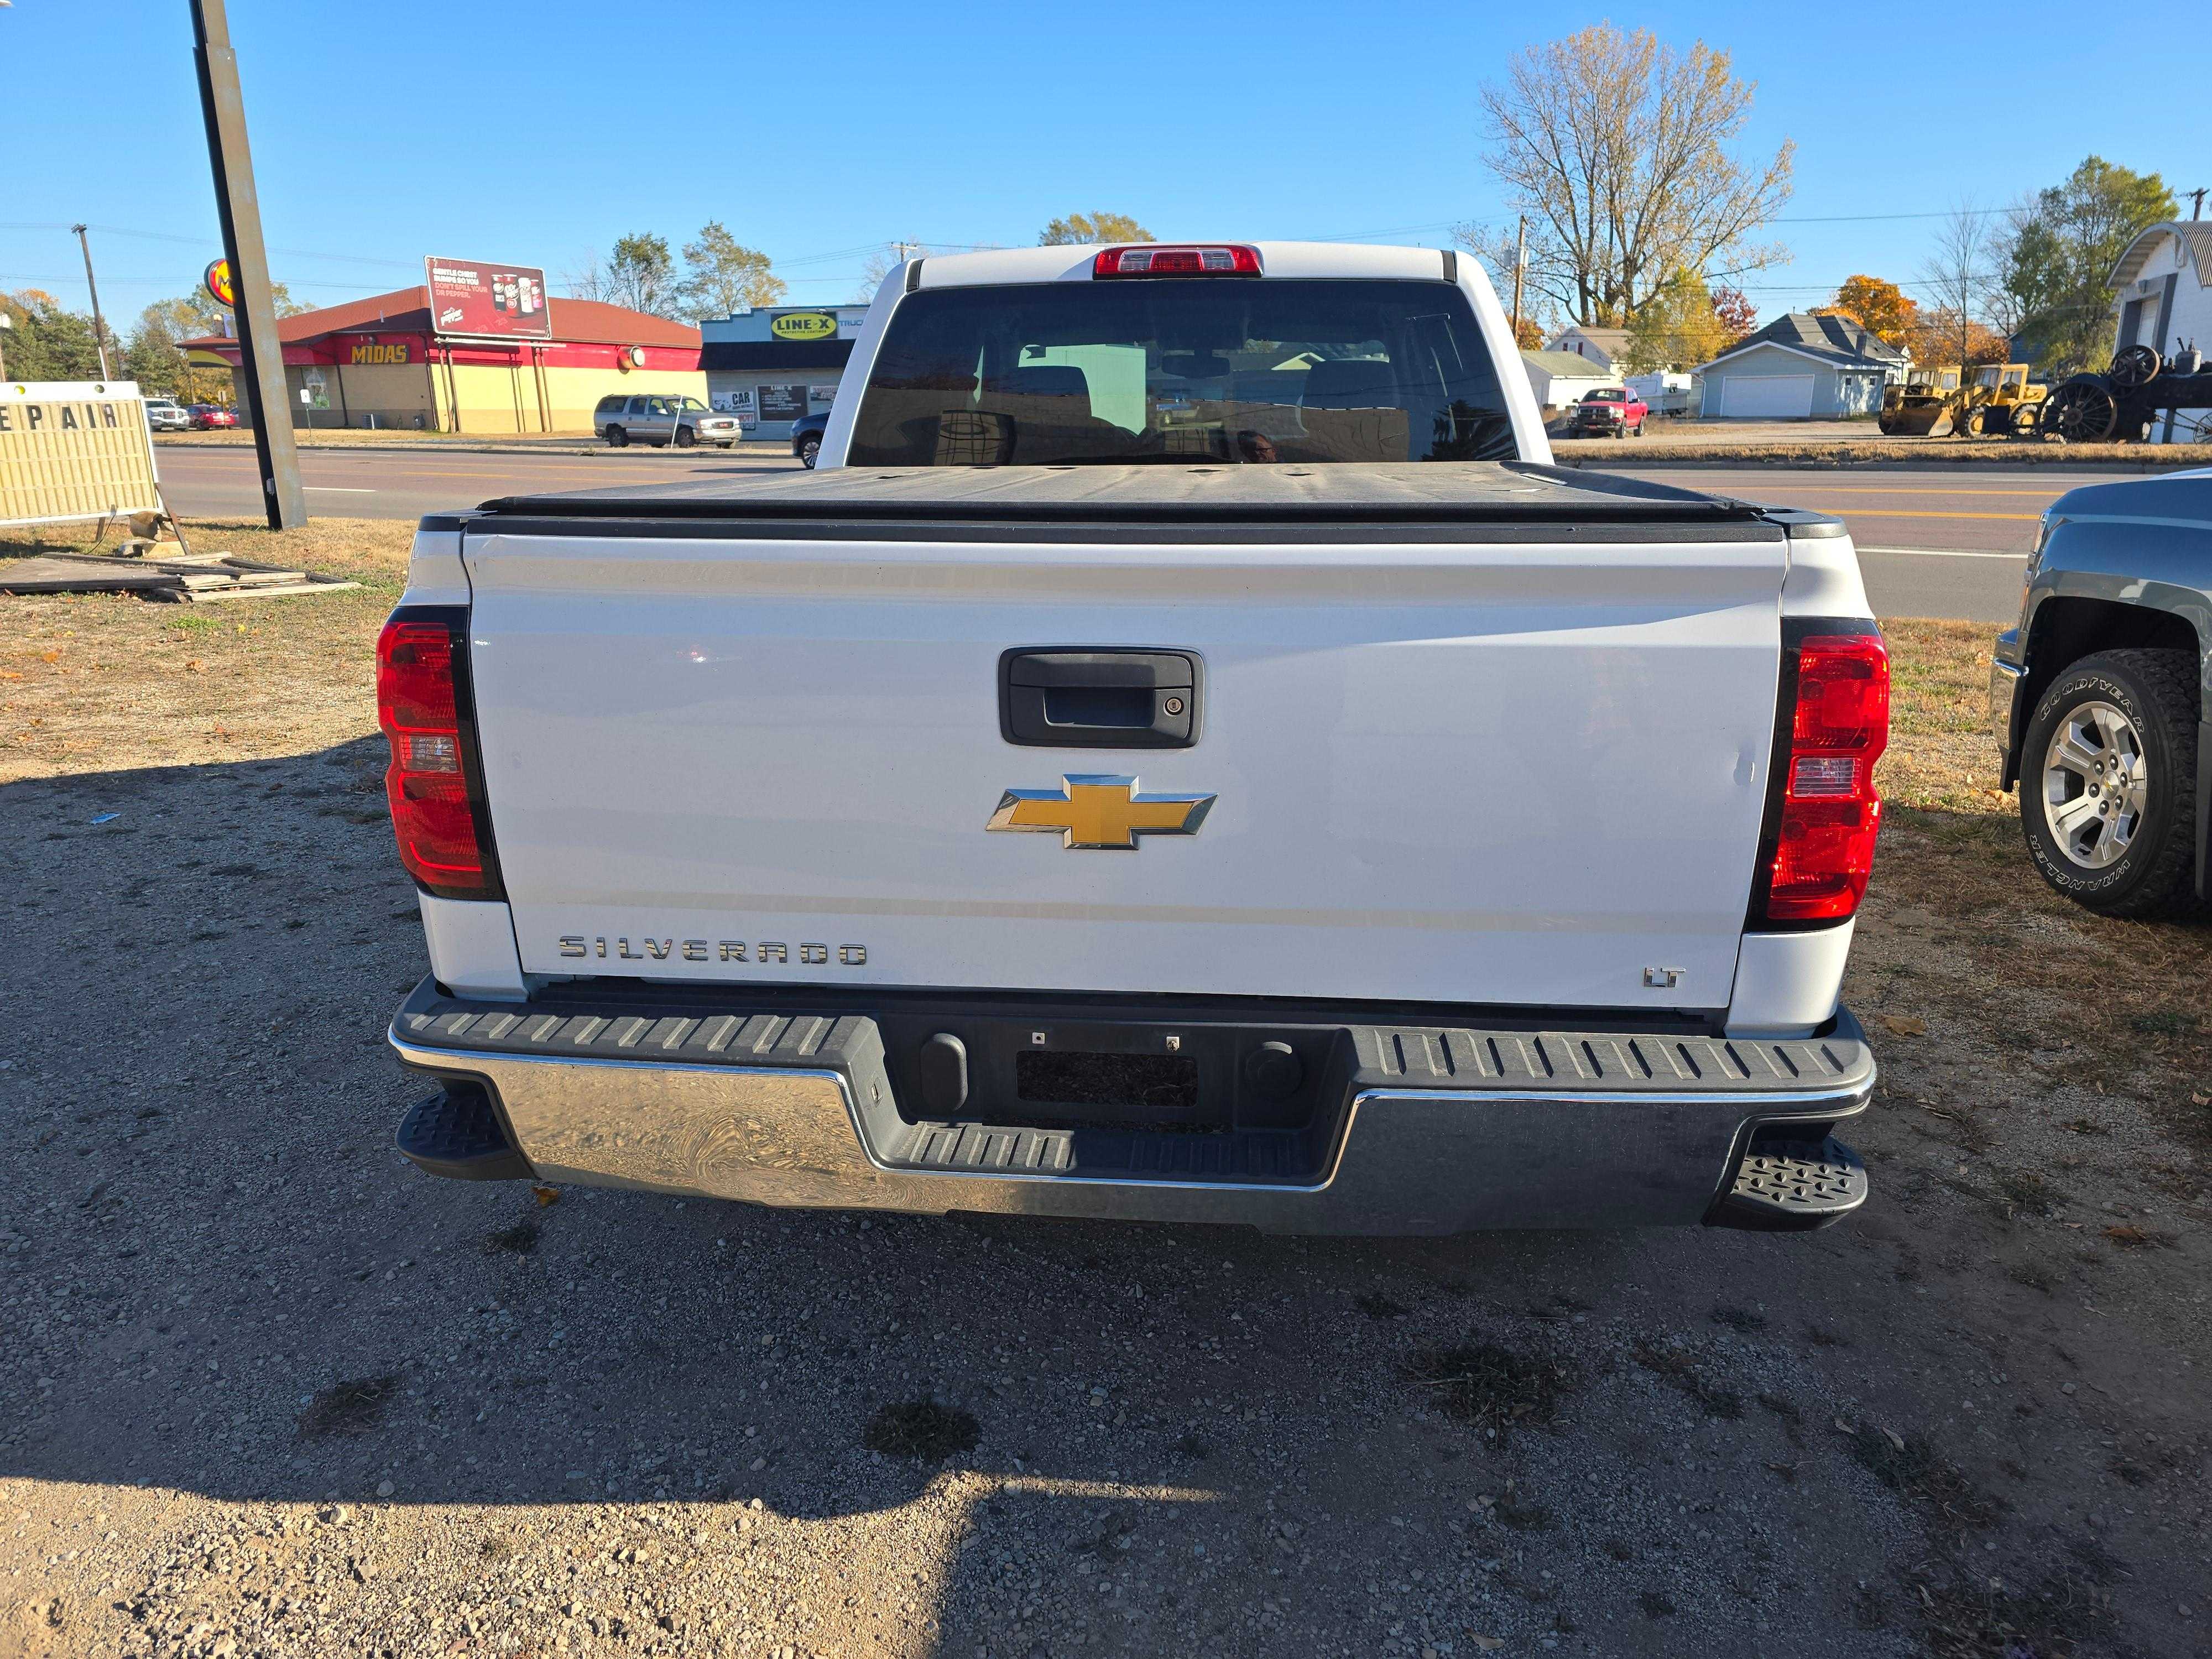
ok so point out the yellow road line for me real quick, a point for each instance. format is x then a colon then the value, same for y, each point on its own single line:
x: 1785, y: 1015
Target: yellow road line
x: 1888, y: 489
x: 1918, y: 512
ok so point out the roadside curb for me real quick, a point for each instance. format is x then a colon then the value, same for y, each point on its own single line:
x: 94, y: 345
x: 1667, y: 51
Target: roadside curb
x: 583, y: 446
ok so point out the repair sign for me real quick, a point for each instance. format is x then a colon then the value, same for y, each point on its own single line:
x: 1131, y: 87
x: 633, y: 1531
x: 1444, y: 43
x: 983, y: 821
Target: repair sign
x: 482, y: 299
x: 75, y: 450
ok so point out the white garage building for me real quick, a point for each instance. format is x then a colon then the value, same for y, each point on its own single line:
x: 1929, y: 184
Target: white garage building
x: 2163, y: 290
x: 1801, y: 367
x: 1559, y: 379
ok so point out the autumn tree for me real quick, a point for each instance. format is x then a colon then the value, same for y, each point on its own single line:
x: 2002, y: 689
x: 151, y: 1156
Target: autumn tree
x: 1737, y: 311
x: 1528, y: 334
x: 1675, y: 327
x: 155, y: 354
x: 722, y: 275
x: 2056, y: 256
x: 1616, y: 148
x: 1882, y: 308
x: 1079, y: 227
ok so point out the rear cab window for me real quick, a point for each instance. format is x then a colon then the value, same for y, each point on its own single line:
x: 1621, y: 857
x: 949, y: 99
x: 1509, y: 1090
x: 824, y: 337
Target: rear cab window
x: 1177, y: 370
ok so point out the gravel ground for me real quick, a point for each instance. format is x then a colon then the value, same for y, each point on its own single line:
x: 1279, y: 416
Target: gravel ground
x: 272, y: 1391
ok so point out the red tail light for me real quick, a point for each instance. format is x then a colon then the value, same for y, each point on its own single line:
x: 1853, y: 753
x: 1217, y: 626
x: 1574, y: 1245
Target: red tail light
x: 436, y: 800
x: 1839, y: 726
x: 1151, y: 259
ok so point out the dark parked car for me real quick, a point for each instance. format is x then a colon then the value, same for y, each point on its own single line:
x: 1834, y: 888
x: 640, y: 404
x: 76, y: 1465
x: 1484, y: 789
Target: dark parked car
x: 207, y: 415
x: 2099, y: 697
x: 806, y: 436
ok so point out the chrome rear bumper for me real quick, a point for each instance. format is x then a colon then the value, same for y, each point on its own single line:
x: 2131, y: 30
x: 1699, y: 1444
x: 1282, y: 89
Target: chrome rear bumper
x: 1437, y: 1130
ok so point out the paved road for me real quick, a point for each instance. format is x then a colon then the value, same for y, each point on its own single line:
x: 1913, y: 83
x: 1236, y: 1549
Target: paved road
x: 365, y: 483
x: 1933, y: 543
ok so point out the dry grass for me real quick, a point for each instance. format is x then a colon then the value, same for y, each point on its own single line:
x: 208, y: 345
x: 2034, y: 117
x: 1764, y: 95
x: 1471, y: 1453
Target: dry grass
x: 1823, y: 447
x: 94, y: 683
x: 1960, y: 932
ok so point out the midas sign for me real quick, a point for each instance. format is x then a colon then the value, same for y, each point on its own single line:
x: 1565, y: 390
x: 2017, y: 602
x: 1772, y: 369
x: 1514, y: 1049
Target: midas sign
x: 72, y: 450
x: 804, y: 325
x: 379, y: 354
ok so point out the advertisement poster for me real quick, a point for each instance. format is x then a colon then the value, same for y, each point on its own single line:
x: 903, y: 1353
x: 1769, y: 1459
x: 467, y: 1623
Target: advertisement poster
x: 740, y: 403
x: 475, y: 299
x: 821, y: 397
x: 782, y: 402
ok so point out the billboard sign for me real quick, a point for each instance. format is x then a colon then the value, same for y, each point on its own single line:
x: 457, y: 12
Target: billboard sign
x: 475, y: 299
x: 217, y: 283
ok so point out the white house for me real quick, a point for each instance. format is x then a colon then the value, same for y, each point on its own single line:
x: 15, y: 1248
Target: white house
x: 2165, y: 301
x: 1802, y: 366
x: 1560, y: 378
x: 1607, y: 348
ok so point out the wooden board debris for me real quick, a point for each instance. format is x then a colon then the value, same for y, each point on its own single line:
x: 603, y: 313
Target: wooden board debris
x: 187, y: 578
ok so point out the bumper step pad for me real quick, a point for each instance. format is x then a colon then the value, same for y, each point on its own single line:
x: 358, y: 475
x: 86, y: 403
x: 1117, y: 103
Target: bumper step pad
x: 791, y: 1095
x: 1793, y: 1187
x: 456, y: 1134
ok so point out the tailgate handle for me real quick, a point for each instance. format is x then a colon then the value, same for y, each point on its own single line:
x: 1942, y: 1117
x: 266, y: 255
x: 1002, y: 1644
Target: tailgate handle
x: 1070, y: 698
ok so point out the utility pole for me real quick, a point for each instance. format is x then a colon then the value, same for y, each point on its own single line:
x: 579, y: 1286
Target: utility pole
x: 1519, y: 264
x: 261, y: 354
x: 7, y: 326
x: 2196, y: 204
x: 99, y: 325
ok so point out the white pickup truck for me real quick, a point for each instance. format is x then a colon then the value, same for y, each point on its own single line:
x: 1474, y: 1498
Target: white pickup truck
x: 1185, y: 754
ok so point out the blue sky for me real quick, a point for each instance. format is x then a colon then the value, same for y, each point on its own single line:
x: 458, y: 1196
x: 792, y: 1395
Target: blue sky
x: 539, y: 132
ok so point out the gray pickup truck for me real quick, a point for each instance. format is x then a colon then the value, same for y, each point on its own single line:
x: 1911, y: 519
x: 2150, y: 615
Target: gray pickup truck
x: 2099, y: 697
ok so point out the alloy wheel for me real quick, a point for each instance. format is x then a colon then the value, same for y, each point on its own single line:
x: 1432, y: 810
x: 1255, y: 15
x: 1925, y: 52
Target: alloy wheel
x: 2095, y: 781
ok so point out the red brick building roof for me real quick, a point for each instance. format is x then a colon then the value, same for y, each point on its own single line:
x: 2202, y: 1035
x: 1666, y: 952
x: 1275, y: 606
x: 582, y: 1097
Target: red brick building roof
x: 407, y: 311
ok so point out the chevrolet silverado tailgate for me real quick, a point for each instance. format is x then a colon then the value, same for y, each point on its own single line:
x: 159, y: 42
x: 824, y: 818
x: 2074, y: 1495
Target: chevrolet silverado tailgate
x: 1498, y: 735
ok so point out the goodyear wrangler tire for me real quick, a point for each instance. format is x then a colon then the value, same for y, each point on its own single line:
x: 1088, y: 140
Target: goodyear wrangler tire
x: 2108, y: 782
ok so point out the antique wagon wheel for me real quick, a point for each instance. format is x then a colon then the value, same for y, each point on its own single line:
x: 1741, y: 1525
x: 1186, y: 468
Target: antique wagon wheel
x: 2135, y: 366
x: 2083, y: 410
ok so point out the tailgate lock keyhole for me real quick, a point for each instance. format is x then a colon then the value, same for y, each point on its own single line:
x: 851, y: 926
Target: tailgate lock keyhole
x: 1662, y: 979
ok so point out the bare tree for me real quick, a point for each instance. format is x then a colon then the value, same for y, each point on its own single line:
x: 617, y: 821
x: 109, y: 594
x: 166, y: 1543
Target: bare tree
x: 1958, y: 279
x: 879, y: 264
x: 587, y: 279
x: 1613, y: 144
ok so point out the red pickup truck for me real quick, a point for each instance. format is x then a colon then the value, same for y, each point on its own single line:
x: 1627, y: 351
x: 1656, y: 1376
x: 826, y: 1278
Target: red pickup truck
x: 1611, y: 411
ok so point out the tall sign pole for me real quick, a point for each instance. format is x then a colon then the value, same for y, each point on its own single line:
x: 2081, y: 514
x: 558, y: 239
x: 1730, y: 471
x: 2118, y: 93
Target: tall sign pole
x: 261, y: 354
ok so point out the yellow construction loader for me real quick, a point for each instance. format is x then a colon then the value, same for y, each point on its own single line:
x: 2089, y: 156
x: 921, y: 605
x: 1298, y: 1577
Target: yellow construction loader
x: 1932, y: 403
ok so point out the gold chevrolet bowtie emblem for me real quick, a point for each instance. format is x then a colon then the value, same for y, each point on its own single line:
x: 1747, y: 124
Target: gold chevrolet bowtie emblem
x: 1100, y: 812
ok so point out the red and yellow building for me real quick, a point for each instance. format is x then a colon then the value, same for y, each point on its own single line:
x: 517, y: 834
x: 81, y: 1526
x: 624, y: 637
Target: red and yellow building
x: 377, y: 362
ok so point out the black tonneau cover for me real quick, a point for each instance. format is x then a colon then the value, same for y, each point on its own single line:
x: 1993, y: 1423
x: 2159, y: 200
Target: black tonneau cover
x: 1411, y: 493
